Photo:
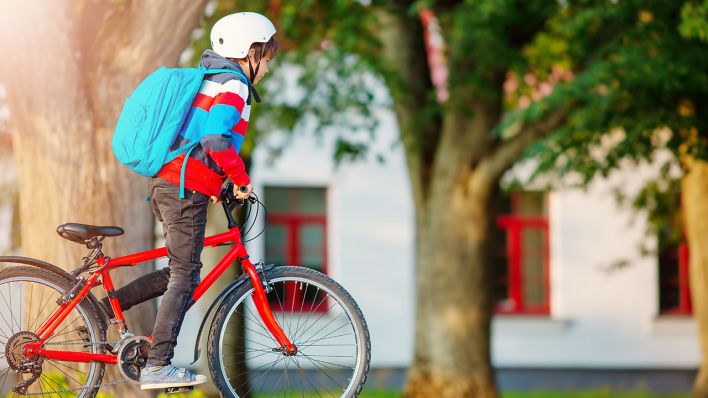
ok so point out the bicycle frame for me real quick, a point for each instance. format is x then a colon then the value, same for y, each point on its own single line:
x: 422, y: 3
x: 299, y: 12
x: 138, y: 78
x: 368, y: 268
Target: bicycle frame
x: 101, y: 276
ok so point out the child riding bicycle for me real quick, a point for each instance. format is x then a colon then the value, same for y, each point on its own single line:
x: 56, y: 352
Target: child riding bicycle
x: 242, y: 42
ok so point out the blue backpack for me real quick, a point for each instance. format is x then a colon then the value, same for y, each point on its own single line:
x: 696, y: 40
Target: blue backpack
x: 152, y: 117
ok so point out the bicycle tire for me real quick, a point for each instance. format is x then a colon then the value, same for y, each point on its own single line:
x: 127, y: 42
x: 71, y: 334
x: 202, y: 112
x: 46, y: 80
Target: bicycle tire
x: 94, y: 332
x: 240, y: 298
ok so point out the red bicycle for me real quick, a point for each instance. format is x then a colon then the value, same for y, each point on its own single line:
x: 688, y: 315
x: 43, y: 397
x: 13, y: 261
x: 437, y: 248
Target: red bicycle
x: 280, y: 330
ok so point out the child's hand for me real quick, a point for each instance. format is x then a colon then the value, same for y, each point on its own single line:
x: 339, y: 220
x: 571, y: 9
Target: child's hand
x: 215, y: 200
x: 243, y: 194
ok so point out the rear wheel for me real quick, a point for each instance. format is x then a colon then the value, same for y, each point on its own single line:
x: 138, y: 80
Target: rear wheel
x: 28, y: 297
x: 316, y: 314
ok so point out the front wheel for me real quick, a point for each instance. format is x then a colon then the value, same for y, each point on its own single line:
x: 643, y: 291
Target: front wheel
x: 316, y: 314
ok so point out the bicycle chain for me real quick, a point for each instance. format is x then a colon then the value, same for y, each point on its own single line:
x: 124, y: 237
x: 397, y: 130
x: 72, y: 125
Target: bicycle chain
x: 70, y: 390
x: 78, y: 342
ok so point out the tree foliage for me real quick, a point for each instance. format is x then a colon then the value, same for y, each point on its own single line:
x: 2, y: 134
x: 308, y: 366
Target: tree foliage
x: 641, y: 91
x: 633, y: 70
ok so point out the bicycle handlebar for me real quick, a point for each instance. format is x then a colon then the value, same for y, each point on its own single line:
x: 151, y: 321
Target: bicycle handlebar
x: 227, y: 194
x: 229, y: 201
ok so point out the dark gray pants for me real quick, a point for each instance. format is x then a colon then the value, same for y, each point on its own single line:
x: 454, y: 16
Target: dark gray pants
x: 183, y: 223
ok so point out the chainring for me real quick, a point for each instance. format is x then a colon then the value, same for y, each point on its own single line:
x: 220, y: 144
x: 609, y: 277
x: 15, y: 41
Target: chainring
x: 132, y: 357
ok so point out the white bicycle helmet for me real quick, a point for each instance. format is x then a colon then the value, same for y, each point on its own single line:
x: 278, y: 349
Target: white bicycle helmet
x: 232, y: 35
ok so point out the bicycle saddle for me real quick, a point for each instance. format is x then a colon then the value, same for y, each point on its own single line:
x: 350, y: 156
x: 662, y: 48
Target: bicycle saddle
x: 80, y: 233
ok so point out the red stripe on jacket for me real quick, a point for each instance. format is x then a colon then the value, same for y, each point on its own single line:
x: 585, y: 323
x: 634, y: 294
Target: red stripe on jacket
x: 230, y: 98
x: 198, y: 176
x: 240, y: 127
x: 205, y: 102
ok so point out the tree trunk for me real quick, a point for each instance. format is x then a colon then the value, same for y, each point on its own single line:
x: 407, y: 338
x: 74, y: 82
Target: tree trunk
x: 453, y: 311
x: 452, y: 323
x: 694, y: 191
x: 73, y: 64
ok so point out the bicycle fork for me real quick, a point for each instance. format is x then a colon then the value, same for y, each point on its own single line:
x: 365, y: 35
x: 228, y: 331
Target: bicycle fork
x: 264, y: 310
x: 238, y: 252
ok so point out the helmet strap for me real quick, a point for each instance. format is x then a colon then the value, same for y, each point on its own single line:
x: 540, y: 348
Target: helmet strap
x: 254, y: 73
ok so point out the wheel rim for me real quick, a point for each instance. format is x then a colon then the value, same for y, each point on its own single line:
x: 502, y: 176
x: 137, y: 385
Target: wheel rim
x: 72, y: 334
x: 316, y: 320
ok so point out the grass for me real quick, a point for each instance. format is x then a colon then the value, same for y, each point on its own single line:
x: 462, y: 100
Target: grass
x: 364, y: 394
x: 537, y: 394
x: 590, y: 394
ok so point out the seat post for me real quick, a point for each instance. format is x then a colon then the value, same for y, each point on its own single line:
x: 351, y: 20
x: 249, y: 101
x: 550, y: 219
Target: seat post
x: 95, y: 245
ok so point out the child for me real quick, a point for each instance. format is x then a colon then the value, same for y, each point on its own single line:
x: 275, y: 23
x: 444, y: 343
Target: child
x: 243, y: 42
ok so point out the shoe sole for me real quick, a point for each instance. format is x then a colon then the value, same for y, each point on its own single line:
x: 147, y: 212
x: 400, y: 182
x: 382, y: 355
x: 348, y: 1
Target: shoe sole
x: 155, y: 386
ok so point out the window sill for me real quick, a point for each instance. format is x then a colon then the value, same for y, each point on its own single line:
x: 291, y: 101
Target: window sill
x: 674, y: 326
x: 528, y: 325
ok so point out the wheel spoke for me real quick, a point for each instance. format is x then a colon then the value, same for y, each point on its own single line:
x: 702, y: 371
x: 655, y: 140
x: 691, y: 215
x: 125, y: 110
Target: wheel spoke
x: 312, y: 308
x: 53, y: 384
x: 265, y: 375
x: 31, y: 327
x: 302, y: 305
x: 4, y: 378
x: 12, y: 329
x: 316, y: 320
x: 325, y: 327
x: 64, y: 328
x: 257, y: 322
x: 9, y: 293
x: 66, y: 374
x: 258, y: 333
x: 322, y: 371
x: 30, y: 305
x: 247, y: 359
x: 322, y: 339
x: 64, y: 365
x: 308, y: 379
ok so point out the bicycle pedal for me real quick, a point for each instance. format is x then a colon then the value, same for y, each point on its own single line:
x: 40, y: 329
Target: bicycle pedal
x: 175, y: 390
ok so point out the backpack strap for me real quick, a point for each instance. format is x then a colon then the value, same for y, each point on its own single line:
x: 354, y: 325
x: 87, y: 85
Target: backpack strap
x: 215, y: 71
x: 188, y: 149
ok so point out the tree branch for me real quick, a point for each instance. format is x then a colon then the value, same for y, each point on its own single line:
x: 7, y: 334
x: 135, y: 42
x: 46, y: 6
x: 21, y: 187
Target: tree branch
x: 403, y: 51
x: 494, y: 166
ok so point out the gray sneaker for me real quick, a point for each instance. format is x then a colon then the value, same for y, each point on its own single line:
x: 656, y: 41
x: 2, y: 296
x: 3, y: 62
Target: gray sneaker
x: 153, y: 377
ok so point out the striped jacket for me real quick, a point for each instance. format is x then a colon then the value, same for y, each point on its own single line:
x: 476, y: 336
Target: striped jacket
x: 221, y: 109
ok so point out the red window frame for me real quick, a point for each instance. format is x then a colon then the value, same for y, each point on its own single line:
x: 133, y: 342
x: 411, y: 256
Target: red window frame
x: 293, y: 223
x: 684, y: 307
x: 514, y: 225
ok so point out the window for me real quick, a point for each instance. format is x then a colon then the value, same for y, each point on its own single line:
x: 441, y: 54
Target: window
x: 674, y: 292
x: 296, y: 235
x: 520, y: 254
